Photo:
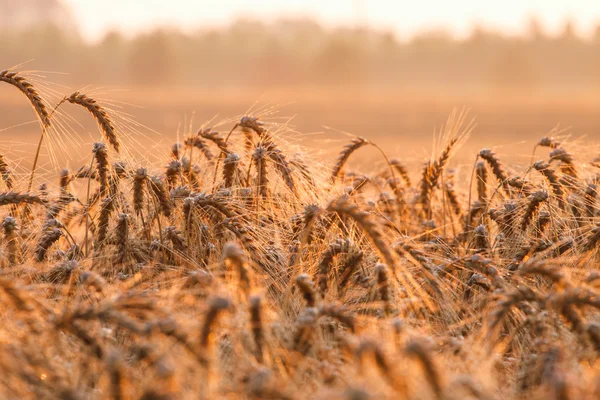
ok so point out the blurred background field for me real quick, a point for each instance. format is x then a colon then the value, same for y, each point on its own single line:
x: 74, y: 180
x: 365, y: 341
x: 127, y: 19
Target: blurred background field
x: 321, y: 79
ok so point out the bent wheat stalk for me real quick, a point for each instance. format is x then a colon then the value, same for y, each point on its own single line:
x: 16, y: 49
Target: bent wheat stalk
x: 99, y: 113
x: 21, y: 83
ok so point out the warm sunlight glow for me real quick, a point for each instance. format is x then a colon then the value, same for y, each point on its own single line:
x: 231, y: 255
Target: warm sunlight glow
x: 300, y: 199
x: 405, y: 18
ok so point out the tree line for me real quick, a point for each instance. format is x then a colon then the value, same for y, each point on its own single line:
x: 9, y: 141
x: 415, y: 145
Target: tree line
x: 301, y: 52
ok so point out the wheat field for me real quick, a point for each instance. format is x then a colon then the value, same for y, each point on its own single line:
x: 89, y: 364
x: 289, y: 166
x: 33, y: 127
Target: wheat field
x: 233, y: 263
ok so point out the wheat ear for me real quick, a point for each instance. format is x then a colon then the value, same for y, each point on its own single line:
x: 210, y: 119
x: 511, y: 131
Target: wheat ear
x: 345, y: 154
x: 99, y: 113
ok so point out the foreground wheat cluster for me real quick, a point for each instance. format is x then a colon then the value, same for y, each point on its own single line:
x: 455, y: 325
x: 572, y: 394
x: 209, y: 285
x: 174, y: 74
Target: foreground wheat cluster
x: 243, y: 270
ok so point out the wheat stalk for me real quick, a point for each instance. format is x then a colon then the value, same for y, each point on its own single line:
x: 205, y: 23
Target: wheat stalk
x: 99, y: 113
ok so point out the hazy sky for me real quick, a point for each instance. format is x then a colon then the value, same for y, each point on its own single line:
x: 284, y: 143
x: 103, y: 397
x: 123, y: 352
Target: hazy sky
x: 404, y: 17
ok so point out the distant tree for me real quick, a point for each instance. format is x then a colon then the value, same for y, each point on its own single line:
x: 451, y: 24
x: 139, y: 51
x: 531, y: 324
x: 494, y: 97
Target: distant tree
x: 595, y: 63
x: 151, y: 59
x: 535, y: 31
x: 596, y: 37
x: 513, y: 69
x: 25, y: 14
x: 104, y: 62
x: 341, y: 60
x: 568, y: 32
